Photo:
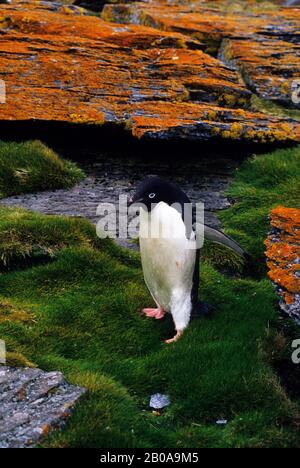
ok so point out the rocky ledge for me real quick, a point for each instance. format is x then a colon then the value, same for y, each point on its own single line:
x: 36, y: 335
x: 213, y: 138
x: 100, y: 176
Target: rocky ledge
x: 174, y: 71
x: 258, y: 39
x: 31, y: 403
x: 283, y: 254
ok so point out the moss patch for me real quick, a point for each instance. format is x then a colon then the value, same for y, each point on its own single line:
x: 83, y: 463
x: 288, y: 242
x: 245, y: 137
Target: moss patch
x: 32, y: 166
x: 25, y: 236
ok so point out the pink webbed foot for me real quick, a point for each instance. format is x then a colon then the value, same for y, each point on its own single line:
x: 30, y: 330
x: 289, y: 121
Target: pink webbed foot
x: 175, y: 338
x: 158, y: 314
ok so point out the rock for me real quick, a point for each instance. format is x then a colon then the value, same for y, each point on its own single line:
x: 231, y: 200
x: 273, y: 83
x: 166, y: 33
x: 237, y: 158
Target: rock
x: 221, y: 422
x: 269, y: 67
x: 283, y: 254
x: 260, y: 41
x: 291, y: 2
x: 159, y: 401
x: 32, y: 402
x: 60, y: 64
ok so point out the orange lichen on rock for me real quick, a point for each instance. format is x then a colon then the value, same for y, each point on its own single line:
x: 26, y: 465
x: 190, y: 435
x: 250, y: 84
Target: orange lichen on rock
x: 261, y: 42
x: 61, y: 64
x: 269, y: 66
x: 167, y: 120
x: 287, y: 220
x: 283, y: 257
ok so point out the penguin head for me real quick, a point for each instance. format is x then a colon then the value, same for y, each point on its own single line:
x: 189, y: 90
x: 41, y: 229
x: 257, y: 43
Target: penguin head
x: 154, y: 190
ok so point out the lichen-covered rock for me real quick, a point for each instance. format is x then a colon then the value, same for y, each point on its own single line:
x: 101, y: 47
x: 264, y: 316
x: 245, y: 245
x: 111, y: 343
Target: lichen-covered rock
x: 61, y: 64
x: 261, y: 40
x: 270, y: 67
x: 32, y: 402
x: 283, y: 258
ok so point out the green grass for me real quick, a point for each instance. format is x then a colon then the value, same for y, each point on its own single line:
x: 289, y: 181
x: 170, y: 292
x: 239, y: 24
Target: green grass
x: 262, y: 183
x: 26, y: 236
x: 78, y: 311
x: 31, y: 166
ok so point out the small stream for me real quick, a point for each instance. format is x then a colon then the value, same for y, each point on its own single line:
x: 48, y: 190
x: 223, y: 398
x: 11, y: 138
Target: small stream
x: 111, y: 175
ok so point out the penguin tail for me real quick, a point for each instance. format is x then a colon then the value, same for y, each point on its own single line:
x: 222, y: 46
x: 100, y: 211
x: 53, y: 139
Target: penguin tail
x: 251, y: 267
x: 202, y: 310
x: 249, y: 261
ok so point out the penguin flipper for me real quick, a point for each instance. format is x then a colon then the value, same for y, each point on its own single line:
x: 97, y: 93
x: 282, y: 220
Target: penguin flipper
x: 219, y: 237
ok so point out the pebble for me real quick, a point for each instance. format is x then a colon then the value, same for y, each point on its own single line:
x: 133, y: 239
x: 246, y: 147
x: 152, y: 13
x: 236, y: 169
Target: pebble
x: 159, y: 401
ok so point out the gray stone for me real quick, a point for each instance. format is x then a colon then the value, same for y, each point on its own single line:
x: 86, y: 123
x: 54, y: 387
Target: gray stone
x: 159, y: 401
x: 31, y: 403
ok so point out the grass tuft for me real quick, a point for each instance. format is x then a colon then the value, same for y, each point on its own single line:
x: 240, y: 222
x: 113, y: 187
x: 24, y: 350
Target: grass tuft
x: 32, y: 166
x: 26, y: 236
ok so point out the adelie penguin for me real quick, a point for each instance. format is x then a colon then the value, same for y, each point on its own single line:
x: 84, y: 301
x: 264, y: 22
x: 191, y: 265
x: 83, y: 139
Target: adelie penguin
x: 169, y: 253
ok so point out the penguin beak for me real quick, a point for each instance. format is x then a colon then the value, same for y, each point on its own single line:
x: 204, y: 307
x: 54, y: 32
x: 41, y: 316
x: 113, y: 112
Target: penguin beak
x: 133, y: 200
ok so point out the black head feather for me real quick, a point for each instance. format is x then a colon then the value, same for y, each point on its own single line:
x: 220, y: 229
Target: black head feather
x: 154, y: 190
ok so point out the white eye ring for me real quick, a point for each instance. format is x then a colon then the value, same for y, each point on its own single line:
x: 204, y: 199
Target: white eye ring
x: 151, y: 195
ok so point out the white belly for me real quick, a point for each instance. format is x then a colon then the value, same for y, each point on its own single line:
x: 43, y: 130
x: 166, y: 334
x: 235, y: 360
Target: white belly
x: 168, y: 262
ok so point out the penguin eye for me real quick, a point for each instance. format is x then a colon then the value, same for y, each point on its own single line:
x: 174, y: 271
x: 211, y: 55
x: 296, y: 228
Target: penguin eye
x: 151, y: 195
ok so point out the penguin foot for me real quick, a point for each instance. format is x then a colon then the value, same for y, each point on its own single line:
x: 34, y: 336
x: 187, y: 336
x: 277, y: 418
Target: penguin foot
x: 158, y: 314
x: 175, y: 338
